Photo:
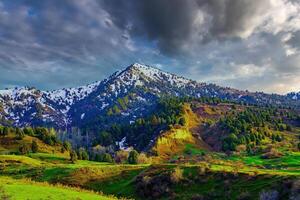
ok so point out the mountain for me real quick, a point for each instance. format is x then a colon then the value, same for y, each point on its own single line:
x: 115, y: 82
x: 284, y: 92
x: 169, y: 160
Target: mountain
x: 121, y: 98
x: 294, y: 95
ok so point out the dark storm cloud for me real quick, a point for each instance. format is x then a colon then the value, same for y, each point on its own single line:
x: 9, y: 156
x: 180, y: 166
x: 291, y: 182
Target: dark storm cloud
x: 173, y: 23
x: 52, y: 37
x: 53, y: 43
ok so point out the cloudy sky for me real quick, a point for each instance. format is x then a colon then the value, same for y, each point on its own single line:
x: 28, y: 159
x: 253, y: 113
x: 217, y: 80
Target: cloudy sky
x: 246, y: 44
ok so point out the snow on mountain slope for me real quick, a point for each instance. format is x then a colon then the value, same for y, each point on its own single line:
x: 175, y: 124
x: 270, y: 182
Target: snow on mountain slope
x: 25, y: 103
x: 294, y: 95
x: 70, y: 95
x: 123, y: 97
x: 67, y: 97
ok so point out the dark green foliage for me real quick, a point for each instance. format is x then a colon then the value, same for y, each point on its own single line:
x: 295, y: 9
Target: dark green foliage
x: 24, y: 149
x: 105, y: 138
x: 104, y: 157
x: 73, y: 156
x: 288, y: 127
x: 82, y: 154
x: 3, y: 131
x: 133, y: 157
x: 19, y: 134
x: 67, y: 146
x: 28, y: 131
x: 182, y: 121
x: 230, y: 142
x: 252, y: 126
x: 168, y: 111
x: 46, y: 135
x: 6, y: 131
x: 34, y: 147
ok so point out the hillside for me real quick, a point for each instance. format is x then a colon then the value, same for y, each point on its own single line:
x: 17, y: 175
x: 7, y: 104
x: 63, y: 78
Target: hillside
x: 188, y: 148
x: 244, y: 177
x: 36, y: 140
x: 22, y: 189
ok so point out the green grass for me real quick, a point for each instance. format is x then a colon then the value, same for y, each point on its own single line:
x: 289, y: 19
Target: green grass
x: 191, y: 150
x: 49, y: 157
x: 289, y: 160
x: 24, y: 189
x: 121, y: 185
x: 119, y: 180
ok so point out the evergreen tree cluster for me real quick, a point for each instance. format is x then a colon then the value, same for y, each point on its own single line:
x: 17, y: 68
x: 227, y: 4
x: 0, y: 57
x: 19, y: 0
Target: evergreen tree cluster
x: 168, y: 111
x: 45, y: 134
x: 251, y: 126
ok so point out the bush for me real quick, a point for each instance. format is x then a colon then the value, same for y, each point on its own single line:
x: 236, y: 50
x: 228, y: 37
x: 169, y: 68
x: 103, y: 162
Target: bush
x: 19, y: 134
x: 67, y: 146
x: 24, y: 149
x: 121, y: 156
x: 203, y: 167
x: 273, y: 153
x: 177, y: 175
x: 106, y: 157
x: 34, y: 146
x: 182, y: 121
x: 103, y: 157
x: 73, y: 156
x: 82, y: 154
x: 28, y: 131
x: 142, y: 158
x: 133, y: 157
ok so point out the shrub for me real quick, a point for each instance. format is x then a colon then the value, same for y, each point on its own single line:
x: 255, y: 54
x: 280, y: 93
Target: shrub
x: 19, y: 134
x: 24, y: 149
x: 82, y: 154
x: 28, y: 131
x: 241, y: 148
x: 203, y: 167
x: 177, y: 175
x: 273, y: 153
x: 106, y: 157
x: 133, y: 157
x: 67, y: 146
x: 142, y: 158
x: 34, y: 146
x: 121, y: 156
x: 182, y: 121
x: 103, y: 157
x: 73, y: 156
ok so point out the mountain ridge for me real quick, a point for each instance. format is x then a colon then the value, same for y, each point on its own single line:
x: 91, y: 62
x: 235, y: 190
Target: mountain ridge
x: 139, y: 85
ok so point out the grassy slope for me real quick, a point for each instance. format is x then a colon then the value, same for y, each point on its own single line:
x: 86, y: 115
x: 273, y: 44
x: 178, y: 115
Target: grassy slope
x: 119, y: 180
x: 25, y: 189
x: 174, y: 141
x: 228, y: 176
x: 10, y: 144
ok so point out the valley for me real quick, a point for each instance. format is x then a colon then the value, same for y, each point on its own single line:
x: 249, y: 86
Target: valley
x: 147, y: 134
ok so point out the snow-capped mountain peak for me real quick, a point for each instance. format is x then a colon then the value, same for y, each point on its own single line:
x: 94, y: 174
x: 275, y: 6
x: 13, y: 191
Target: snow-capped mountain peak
x: 294, y: 95
x: 125, y: 96
x: 71, y: 95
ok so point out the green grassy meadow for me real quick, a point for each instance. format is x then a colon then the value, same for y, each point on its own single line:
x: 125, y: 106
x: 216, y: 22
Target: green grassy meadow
x: 24, y: 176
